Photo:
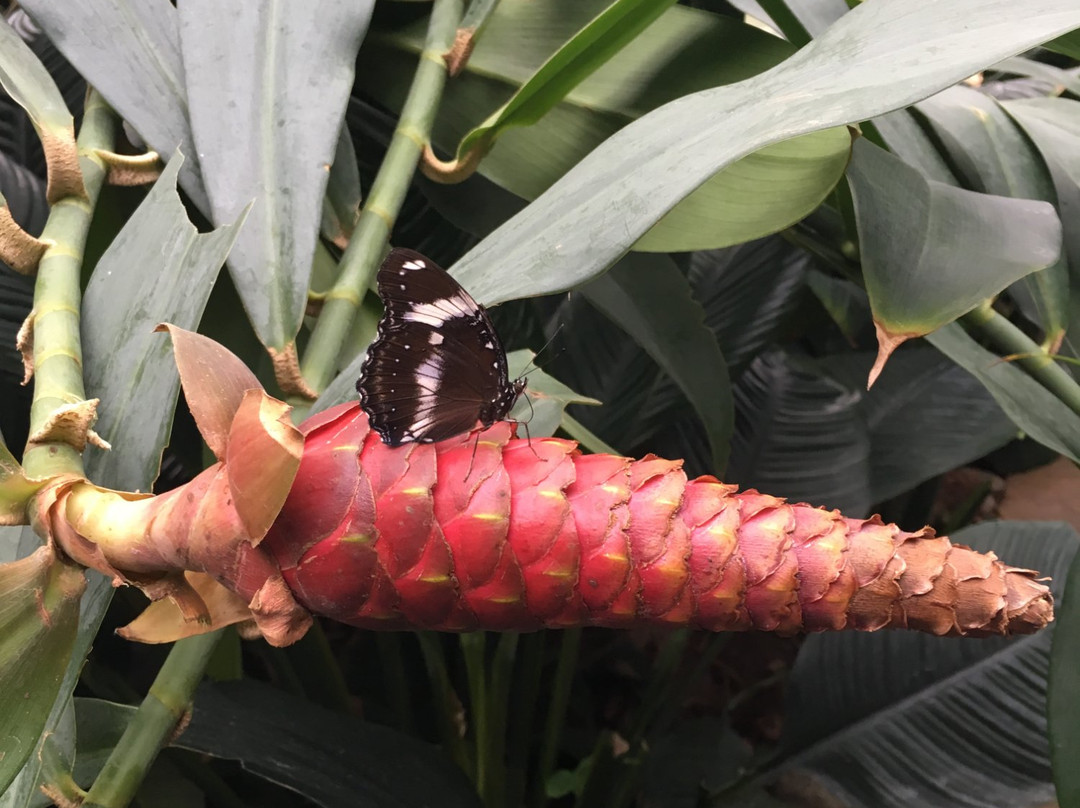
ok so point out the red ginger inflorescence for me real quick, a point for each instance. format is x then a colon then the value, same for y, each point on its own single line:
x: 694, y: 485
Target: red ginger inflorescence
x: 531, y: 534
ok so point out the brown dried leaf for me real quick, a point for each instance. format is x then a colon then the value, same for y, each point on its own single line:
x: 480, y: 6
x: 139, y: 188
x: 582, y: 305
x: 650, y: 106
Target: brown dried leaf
x: 172, y: 619
x: 262, y: 458
x: 287, y: 372
x: 18, y: 249
x: 214, y: 381
x: 70, y: 424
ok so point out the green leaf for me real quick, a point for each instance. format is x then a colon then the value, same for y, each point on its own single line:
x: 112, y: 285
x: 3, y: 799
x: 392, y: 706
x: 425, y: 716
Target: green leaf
x: 99, y: 725
x: 650, y: 299
x: 341, y: 205
x: 931, y: 252
x: 135, y: 65
x: 684, y: 51
x: 267, y: 86
x: 896, y: 718
x: 995, y: 157
x: 329, y: 758
x: 39, y: 615
x: 157, y: 269
x: 1054, y: 125
x: 603, y: 37
x: 879, y: 57
x: 545, y: 399
x: 844, y: 300
x: 1068, y: 44
x: 29, y: 84
x: 1064, y: 695
x: 1032, y: 407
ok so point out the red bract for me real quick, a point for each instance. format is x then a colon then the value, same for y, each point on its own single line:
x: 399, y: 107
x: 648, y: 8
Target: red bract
x: 527, y: 535
x: 497, y: 534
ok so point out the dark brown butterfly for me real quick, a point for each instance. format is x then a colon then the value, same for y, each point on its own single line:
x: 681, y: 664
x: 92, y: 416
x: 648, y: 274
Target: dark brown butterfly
x: 437, y: 366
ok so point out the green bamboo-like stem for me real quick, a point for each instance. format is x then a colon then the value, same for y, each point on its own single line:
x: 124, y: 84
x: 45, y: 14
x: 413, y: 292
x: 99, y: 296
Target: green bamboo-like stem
x: 502, y: 675
x: 522, y: 718
x: 369, y: 239
x: 58, y: 379
x: 169, y: 698
x: 395, y: 678
x: 444, y: 698
x: 1036, y: 362
x: 556, y: 717
x: 472, y: 649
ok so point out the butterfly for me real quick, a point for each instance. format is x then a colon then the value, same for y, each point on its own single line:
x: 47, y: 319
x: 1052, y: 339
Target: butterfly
x: 437, y: 365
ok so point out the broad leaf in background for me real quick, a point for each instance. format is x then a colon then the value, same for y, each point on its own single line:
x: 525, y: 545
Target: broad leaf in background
x: 894, y: 719
x: 1032, y: 407
x: 800, y: 435
x: 814, y: 16
x: 995, y: 157
x: 603, y: 37
x: 39, y: 615
x: 1054, y: 125
x: 649, y: 298
x: 879, y: 57
x: 333, y: 760
x: 685, y: 50
x: 267, y: 85
x: 925, y: 416
x: 931, y: 253
x: 27, y: 81
x: 1064, y: 692
x: 158, y: 269
x: 135, y: 66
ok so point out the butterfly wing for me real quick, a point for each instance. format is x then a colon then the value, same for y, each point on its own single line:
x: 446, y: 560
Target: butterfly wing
x: 436, y: 366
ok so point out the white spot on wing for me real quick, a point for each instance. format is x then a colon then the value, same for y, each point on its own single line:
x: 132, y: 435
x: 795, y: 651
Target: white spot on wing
x: 435, y: 338
x: 413, y: 265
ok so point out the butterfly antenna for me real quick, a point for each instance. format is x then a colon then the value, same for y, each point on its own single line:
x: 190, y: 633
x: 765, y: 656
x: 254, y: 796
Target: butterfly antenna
x: 545, y: 346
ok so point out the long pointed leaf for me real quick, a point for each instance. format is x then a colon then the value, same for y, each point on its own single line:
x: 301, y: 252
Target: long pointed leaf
x: 130, y: 52
x: 268, y: 83
x: 882, y: 56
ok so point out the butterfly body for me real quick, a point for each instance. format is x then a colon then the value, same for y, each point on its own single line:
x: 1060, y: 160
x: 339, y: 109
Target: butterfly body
x: 437, y: 365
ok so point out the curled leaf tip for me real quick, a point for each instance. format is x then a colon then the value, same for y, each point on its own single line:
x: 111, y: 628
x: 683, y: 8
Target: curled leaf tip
x: 130, y: 170
x: 453, y: 171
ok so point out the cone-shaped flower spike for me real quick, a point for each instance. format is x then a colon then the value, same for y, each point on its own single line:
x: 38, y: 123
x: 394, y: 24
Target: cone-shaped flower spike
x: 520, y: 536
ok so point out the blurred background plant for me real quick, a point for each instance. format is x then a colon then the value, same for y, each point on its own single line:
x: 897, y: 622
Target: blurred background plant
x: 770, y: 262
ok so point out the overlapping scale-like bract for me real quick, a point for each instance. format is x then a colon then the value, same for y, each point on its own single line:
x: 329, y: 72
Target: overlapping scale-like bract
x: 513, y: 534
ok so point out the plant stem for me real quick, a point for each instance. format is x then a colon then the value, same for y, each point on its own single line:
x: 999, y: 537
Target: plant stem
x: 1011, y: 341
x: 395, y: 678
x: 520, y: 734
x: 472, y: 649
x: 444, y: 698
x: 58, y: 379
x: 169, y: 698
x: 560, y: 699
x: 369, y: 239
x: 502, y: 675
